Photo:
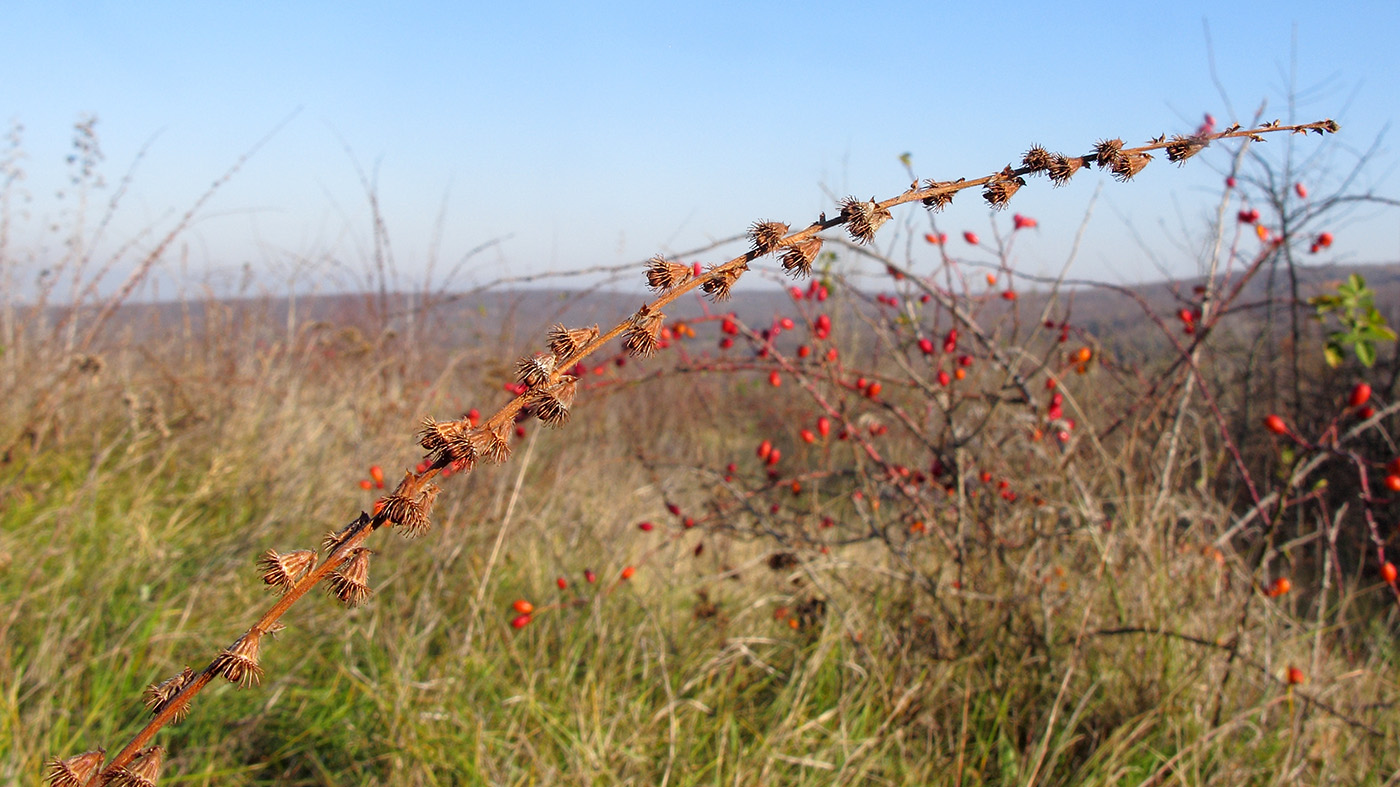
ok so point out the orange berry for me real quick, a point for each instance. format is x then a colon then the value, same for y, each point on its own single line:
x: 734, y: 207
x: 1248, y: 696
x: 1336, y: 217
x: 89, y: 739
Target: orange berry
x: 628, y: 571
x: 775, y: 379
x: 1275, y: 424
x: 1388, y: 573
x: 1295, y: 676
x: 366, y: 484
x: 960, y: 373
x: 1280, y: 586
x: 522, y: 606
x: 377, y: 473
x: 807, y: 436
x: 793, y: 624
x: 1392, y: 482
x: 1083, y: 354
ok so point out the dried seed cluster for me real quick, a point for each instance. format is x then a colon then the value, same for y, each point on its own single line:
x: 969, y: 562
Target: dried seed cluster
x: 158, y: 696
x: 239, y: 661
x: 863, y: 219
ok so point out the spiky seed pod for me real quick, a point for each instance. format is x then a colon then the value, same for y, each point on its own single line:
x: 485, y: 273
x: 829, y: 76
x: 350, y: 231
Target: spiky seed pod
x: 767, y: 236
x: 552, y: 404
x: 492, y: 443
x: 1108, y: 151
x: 143, y: 770
x: 1062, y: 168
x: 283, y: 571
x: 448, y: 443
x: 643, y: 332
x: 411, y: 514
x: 662, y: 274
x: 1037, y: 159
x: 721, y: 281
x: 564, y: 342
x: 1126, y: 166
x: 76, y: 770
x: 999, y: 191
x: 940, y: 199
x: 1182, y: 148
x: 863, y: 218
x: 333, y: 539
x: 533, y: 370
x: 157, y: 696
x: 350, y: 582
x: 239, y: 662
x: 797, y: 260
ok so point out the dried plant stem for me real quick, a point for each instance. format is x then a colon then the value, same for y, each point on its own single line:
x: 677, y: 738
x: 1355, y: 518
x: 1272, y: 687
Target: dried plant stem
x: 861, y: 219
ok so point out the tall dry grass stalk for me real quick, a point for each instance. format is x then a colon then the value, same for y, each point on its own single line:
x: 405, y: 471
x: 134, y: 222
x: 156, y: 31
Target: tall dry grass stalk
x: 547, y: 387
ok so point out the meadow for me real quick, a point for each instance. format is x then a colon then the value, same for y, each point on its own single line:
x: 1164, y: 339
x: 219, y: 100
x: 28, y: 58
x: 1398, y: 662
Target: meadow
x: 917, y: 527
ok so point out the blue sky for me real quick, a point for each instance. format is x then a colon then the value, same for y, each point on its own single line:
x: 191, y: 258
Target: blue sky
x: 594, y: 134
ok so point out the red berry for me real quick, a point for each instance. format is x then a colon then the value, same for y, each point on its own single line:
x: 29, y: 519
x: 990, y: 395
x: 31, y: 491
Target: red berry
x: 926, y: 346
x: 1301, y: 190
x: 1280, y: 587
x: 931, y: 238
x: 1393, y: 467
x: 1008, y: 295
x: 627, y: 572
x: 764, y: 449
x: 1359, y: 395
x: 1388, y: 573
x: 804, y: 351
x: 1023, y: 222
x: 1365, y: 412
x: 774, y: 456
x: 970, y: 237
x: 943, y: 378
x: 1295, y: 676
x: 645, y: 527
x: 589, y: 576
x: 377, y: 473
x: 523, y: 607
x: 474, y: 415
x: 366, y: 484
x: 562, y: 583
x: 1324, y: 240
x: 824, y: 426
x: 808, y: 436
x: 873, y: 391
x: 1230, y: 182
x: 775, y: 379
x: 1392, y: 482
x: 520, y: 622
x: 1275, y: 424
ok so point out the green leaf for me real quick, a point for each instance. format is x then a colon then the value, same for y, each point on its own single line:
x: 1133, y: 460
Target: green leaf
x: 1366, y: 353
x: 1332, y: 354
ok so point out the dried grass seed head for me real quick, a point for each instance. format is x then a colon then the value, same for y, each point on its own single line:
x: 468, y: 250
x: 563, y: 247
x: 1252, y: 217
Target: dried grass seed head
x: 492, y: 442
x: 157, y: 696
x: 565, y: 342
x: 283, y: 571
x: 551, y: 405
x: 1182, y: 148
x: 1002, y: 188
x: 767, y: 236
x: 721, y: 281
x: 75, y: 771
x: 1128, y: 165
x: 448, y: 443
x: 1061, y: 168
x: 332, y: 540
x: 863, y: 218
x: 1037, y: 159
x: 643, y: 333
x: 797, y: 259
x: 411, y: 514
x: 239, y: 661
x: 663, y: 274
x: 143, y: 770
x: 350, y: 582
x: 1108, y: 151
x: 533, y: 370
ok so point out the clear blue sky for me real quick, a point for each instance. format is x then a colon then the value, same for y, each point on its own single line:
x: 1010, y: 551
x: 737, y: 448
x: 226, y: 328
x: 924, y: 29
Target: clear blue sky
x: 596, y: 133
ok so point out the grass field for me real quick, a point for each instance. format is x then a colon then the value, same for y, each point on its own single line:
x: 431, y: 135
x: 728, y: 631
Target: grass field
x: 1093, y: 637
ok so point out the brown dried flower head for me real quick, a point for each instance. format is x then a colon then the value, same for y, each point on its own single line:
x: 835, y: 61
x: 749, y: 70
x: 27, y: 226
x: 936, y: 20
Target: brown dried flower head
x: 1182, y: 148
x: 157, y: 696
x: 1061, y: 168
x: 1000, y: 190
x: 643, y: 332
x: 76, y: 770
x: 143, y: 770
x: 662, y: 274
x: 1107, y: 152
x: 552, y: 404
x: 863, y: 219
x: 535, y: 369
x: 411, y: 515
x: 943, y: 197
x: 350, y: 582
x: 283, y: 571
x: 767, y: 236
x: 1037, y: 159
x: 239, y: 662
x: 448, y: 442
x: 721, y: 280
x: 1128, y: 165
x: 492, y: 443
x: 797, y: 260
x: 564, y: 342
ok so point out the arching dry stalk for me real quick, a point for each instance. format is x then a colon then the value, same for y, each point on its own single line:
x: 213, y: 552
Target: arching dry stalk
x: 548, y: 394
